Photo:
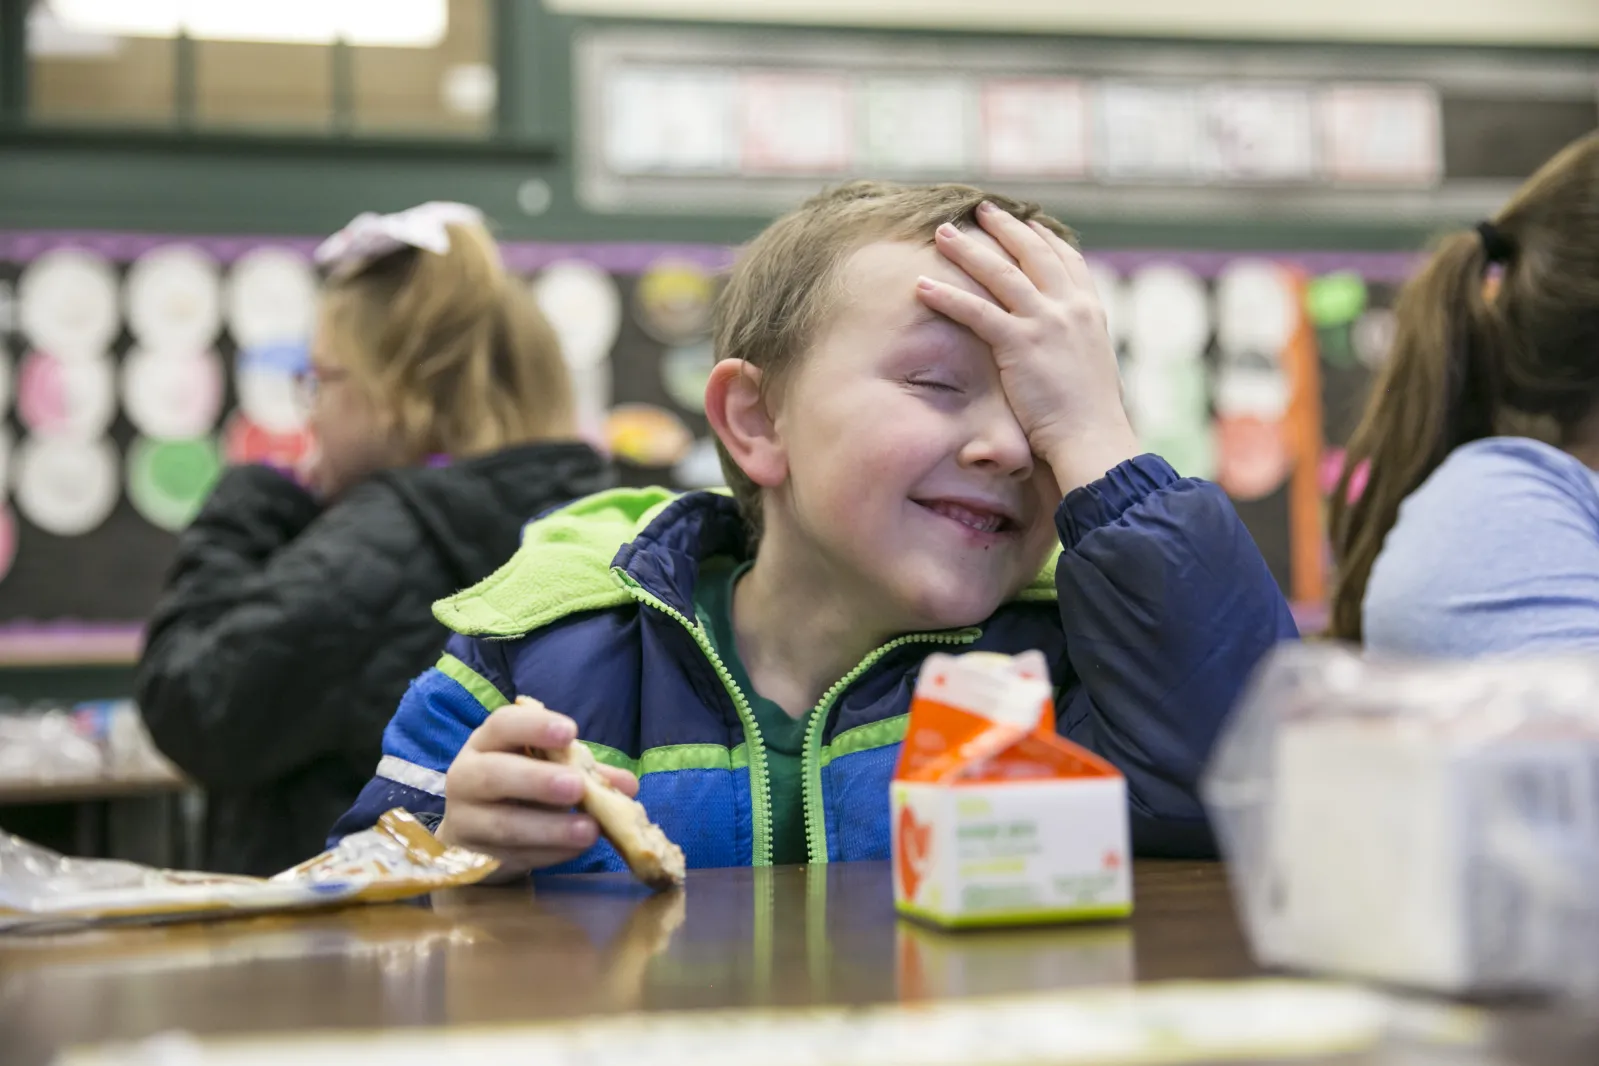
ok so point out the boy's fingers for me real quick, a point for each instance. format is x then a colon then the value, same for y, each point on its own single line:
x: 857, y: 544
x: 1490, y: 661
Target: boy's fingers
x: 1077, y: 273
x: 986, y: 266
x: 519, y: 727
x: 496, y: 776
x: 975, y: 313
x: 1039, y: 261
x: 500, y: 828
x: 622, y: 779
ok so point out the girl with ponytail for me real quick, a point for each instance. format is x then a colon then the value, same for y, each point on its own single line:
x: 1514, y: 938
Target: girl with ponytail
x: 1478, y: 528
x: 300, y: 607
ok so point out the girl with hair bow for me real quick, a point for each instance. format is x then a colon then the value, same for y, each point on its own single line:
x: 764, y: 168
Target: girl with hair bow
x: 300, y: 608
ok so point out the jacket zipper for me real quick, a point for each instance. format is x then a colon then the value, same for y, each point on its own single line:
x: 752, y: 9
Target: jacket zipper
x: 760, y: 783
x: 811, y: 759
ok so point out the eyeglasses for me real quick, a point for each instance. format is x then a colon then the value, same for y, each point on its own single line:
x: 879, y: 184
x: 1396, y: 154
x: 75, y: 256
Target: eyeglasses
x: 309, y: 381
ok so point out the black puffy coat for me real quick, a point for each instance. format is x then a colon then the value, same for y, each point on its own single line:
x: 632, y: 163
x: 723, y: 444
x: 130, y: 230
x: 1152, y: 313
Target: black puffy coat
x: 288, y: 633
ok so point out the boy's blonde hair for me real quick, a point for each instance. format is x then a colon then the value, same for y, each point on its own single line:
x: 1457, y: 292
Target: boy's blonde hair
x: 453, y: 348
x: 784, y: 287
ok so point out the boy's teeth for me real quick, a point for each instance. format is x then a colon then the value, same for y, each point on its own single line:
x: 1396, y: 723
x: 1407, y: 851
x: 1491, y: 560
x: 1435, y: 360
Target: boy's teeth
x: 978, y: 520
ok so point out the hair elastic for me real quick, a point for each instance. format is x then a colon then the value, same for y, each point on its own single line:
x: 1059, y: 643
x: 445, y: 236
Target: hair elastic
x: 1497, y: 247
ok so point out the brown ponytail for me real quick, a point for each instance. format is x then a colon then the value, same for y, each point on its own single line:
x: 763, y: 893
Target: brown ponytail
x: 1466, y: 361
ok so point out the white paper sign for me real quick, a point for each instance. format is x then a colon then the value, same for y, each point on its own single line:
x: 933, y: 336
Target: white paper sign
x: 1035, y: 127
x: 67, y: 303
x: 1382, y: 133
x: 1258, y: 133
x: 1168, y: 315
x: 664, y: 121
x: 795, y: 123
x: 916, y: 125
x: 1257, y: 310
x: 271, y: 297
x: 1147, y: 132
x: 174, y: 298
x: 67, y: 487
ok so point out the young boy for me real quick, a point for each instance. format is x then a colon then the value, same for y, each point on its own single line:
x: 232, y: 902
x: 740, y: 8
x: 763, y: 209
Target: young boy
x: 910, y: 381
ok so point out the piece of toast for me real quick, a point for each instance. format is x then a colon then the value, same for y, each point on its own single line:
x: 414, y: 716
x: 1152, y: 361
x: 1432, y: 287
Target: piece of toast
x: 649, y: 852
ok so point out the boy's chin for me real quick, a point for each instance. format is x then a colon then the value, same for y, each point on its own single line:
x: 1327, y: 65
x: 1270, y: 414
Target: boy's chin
x: 954, y: 608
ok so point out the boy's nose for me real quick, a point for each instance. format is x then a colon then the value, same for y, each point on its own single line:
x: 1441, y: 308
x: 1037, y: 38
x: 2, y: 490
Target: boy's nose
x: 997, y: 442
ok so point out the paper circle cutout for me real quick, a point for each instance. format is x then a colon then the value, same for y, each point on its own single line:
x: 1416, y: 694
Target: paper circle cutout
x: 673, y: 300
x: 1257, y: 308
x: 8, y: 540
x: 1254, y: 458
x: 168, y: 480
x: 72, y: 399
x: 1169, y: 314
x: 582, y: 305
x: 271, y: 297
x: 1335, y: 299
x: 646, y: 435
x: 172, y: 395
x: 1166, y: 399
x: 1113, y: 295
x: 1373, y: 336
x: 174, y: 298
x: 684, y: 372
x: 68, y: 303
x: 243, y: 441
x: 265, y: 378
x: 701, y: 468
x: 1191, y: 450
x: 66, y: 487
x: 1249, y: 391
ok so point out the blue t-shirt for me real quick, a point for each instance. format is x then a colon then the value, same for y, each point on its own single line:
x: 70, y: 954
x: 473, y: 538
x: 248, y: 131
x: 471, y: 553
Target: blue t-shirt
x: 1497, y: 553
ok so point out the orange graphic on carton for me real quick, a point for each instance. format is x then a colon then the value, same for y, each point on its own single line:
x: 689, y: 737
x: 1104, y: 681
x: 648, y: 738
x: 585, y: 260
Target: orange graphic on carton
x: 949, y: 742
x: 996, y: 817
x: 916, y: 842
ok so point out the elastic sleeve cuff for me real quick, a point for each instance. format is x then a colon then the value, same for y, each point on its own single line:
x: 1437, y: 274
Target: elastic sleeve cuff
x: 1102, y: 502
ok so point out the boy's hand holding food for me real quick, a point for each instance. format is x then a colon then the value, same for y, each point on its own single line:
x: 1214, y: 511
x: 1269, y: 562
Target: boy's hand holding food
x: 504, y: 803
x: 1046, y: 326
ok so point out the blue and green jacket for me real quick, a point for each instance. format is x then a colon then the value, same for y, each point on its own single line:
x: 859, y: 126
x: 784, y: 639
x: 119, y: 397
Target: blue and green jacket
x: 1151, y: 616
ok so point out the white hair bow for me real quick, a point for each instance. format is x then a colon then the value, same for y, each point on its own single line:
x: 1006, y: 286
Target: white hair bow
x: 371, y: 236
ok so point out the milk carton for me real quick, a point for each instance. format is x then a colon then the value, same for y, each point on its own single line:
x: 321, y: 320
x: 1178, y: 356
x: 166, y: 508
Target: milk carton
x: 997, y: 820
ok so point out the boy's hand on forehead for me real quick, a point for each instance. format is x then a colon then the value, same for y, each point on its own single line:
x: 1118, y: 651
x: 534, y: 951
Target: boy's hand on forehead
x: 1046, y: 326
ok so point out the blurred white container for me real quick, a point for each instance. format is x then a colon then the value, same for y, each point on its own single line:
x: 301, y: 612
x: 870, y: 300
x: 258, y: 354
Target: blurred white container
x: 1433, y: 825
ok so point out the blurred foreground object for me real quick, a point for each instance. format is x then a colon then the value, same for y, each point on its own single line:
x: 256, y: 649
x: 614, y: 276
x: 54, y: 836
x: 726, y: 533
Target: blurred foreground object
x: 395, y: 859
x: 101, y: 741
x: 1427, y: 824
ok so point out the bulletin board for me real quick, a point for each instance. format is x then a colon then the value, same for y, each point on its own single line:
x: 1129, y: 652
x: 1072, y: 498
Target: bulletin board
x: 716, y: 120
x: 136, y: 366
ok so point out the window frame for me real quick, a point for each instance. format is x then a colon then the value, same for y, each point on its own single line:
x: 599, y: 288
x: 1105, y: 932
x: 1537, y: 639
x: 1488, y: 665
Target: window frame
x: 508, y: 132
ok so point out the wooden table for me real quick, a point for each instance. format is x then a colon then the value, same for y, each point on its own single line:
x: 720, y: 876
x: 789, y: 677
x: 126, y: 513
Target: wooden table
x: 585, y: 945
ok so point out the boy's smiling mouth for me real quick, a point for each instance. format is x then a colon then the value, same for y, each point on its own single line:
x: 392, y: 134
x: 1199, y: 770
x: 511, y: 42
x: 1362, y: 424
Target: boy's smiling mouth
x: 979, y: 516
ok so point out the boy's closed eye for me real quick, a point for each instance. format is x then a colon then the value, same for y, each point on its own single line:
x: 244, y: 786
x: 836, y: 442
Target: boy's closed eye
x: 933, y: 382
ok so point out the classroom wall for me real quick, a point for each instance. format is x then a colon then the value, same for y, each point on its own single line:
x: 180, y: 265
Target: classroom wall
x: 1560, y: 22
x: 184, y: 182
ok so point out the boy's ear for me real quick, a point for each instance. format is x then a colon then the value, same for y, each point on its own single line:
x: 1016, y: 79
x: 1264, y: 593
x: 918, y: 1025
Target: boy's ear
x: 738, y: 415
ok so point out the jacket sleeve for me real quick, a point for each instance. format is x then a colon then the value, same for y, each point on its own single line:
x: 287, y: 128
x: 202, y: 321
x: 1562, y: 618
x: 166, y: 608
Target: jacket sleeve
x: 1167, y: 607
x: 439, y: 711
x: 271, y: 613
